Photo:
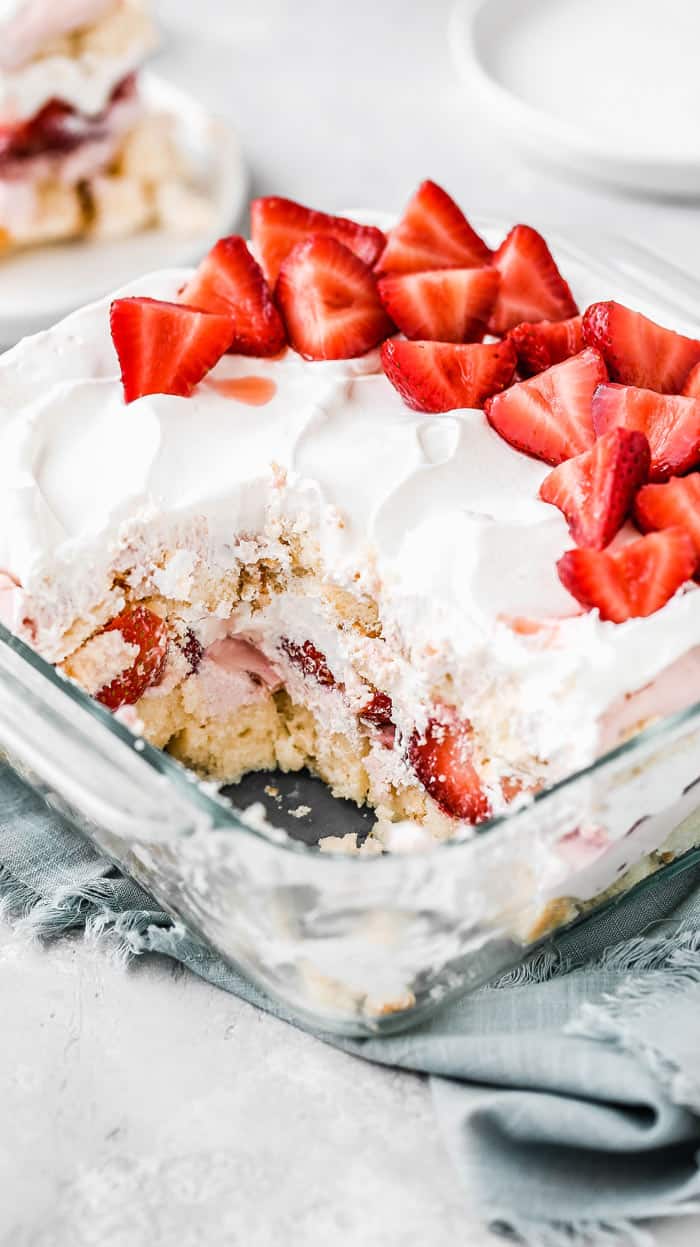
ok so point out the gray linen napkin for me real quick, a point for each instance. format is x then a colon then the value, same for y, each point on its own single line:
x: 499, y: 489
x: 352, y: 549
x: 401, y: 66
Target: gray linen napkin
x: 568, y: 1092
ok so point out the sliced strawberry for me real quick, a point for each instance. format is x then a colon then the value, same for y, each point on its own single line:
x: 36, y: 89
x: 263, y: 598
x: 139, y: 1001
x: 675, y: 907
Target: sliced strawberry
x: 440, y: 376
x: 229, y: 281
x: 145, y: 629
x: 671, y: 424
x: 165, y: 348
x: 546, y: 342
x: 277, y: 225
x: 691, y: 385
x: 378, y: 711
x: 675, y: 503
x: 432, y: 233
x: 595, y: 490
x: 633, y: 581
x: 193, y: 650
x: 636, y: 350
x: 442, y: 760
x: 445, y: 305
x: 309, y: 660
x: 532, y: 288
x: 329, y: 301
x: 549, y: 416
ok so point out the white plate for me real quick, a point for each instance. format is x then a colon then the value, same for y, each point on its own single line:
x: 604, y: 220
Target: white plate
x: 39, y: 286
x: 608, y: 88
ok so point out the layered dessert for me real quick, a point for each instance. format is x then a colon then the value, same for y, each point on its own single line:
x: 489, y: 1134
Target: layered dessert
x: 386, y: 505
x: 80, y: 152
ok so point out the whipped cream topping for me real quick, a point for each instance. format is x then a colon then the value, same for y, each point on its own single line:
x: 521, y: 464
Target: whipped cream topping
x: 27, y: 26
x: 435, y: 516
x: 85, y: 80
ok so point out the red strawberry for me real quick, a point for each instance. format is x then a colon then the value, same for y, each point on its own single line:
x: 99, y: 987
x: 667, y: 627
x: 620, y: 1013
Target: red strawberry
x: 675, y: 503
x: 277, y: 225
x: 230, y: 282
x: 691, y: 385
x: 165, y: 348
x: 546, y: 342
x: 442, y: 760
x: 633, y: 581
x: 439, y: 376
x: 636, y: 350
x: 309, y: 660
x: 595, y: 490
x: 445, y: 305
x: 671, y: 424
x: 149, y: 632
x: 329, y: 301
x: 549, y: 416
x: 432, y: 233
x: 378, y: 710
x: 532, y: 288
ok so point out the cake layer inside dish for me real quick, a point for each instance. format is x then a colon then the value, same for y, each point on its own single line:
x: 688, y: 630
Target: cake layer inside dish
x: 336, y: 574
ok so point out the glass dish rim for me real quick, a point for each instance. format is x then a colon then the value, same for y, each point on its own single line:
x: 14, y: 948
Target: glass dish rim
x: 653, y: 281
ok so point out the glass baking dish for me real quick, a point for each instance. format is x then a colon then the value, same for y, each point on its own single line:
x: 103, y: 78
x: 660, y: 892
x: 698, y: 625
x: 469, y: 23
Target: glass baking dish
x: 357, y: 944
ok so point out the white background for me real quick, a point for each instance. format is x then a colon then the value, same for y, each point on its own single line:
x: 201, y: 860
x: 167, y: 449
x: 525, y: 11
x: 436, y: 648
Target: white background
x: 141, y: 1106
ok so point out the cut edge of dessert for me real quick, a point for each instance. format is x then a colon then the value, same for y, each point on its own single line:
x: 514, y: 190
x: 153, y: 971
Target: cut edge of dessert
x: 212, y: 665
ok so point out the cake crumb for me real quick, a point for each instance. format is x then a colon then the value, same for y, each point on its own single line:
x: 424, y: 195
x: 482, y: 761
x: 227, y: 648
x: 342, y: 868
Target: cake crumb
x: 300, y: 811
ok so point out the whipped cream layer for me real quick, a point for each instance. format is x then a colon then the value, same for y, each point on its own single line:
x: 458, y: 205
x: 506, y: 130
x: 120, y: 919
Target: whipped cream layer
x: 83, y: 77
x: 435, y: 516
x: 28, y: 26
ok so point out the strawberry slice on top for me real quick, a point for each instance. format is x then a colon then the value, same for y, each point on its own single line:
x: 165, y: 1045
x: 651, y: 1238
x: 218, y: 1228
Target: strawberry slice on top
x: 165, y: 348
x: 432, y: 233
x: 677, y: 502
x: 691, y: 385
x: 670, y: 422
x: 442, y: 760
x: 595, y: 490
x: 546, y: 342
x: 277, y: 225
x: 532, y: 288
x: 440, y: 376
x: 549, y: 416
x: 633, y: 581
x: 229, y: 281
x: 443, y: 305
x: 636, y: 350
x: 146, y: 631
x: 329, y: 301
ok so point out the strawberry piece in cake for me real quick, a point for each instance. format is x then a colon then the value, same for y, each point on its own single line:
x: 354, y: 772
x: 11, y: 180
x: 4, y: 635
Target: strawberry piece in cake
x: 440, y: 376
x: 278, y: 225
x: 595, y: 490
x: 675, y: 503
x: 671, y: 424
x: 446, y: 305
x: 546, y: 342
x: 442, y: 759
x: 148, y: 634
x: 432, y: 233
x: 637, y: 351
x: 532, y: 288
x: 165, y: 348
x: 634, y: 581
x: 230, y: 282
x: 549, y: 416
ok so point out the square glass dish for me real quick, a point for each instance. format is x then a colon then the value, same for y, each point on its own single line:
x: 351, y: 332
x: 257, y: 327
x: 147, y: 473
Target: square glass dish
x: 362, y: 944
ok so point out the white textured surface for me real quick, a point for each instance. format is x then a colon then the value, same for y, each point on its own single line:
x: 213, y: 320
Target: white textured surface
x: 144, y: 1107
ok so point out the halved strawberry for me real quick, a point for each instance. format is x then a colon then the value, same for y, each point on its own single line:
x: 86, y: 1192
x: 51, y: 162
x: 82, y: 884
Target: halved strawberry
x: 277, y: 225
x: 442, y: 760
x: 165, y: 348
x: 595, y: 490
x: 329, y: 301
x: 532, y: 288
x: 378, y: 711
x: 675, y: 503
x: 549, y: 416
x: 633, y: 581
x: 546, y: 342
x: 671, y: 424
x: 636, y: 350
x: 145, y: 629
x: 309, y: 660
x: 691, y: 385
x: 441, y: 376
x: 444, y: 305
x: 229, y: 281
x: 432, y: 233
